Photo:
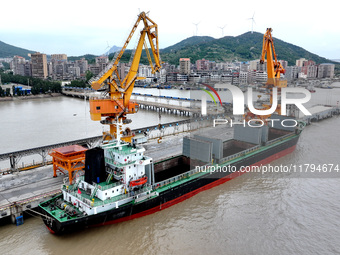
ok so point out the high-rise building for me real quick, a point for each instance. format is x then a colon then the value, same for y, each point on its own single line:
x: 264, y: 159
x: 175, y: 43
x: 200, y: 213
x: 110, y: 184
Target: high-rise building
x: 253, y: 64
x: 202, y: 64
x: 300, y: 62
x: 39, y: 65
x: 243, y: 77
x: 59, y: 56
x: 184, y: 65
x: 102, y: 62
x: 18, y: 65
x: 82, y: 64
x: 305, y: 65
x: 326, y: 70
x: 312, y: 71
x: 292, y: 72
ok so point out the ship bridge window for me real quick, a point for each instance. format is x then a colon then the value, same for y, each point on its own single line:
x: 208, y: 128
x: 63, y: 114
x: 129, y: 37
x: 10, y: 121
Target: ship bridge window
x: 113, y: 191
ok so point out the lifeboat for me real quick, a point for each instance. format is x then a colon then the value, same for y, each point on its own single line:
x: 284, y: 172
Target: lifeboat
x: 138, y: 182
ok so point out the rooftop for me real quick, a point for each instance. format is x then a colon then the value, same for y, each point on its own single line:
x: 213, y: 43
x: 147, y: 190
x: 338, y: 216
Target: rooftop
x: 70, y: 150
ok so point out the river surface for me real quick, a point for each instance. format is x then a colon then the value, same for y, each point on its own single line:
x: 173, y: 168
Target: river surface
x: 256, y: 213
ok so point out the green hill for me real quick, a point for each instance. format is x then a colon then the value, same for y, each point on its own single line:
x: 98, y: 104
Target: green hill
x: 244, y: 47
x: 7, y: 50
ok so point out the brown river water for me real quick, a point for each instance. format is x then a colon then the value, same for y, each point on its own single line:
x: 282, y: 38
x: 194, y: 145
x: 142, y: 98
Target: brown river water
x: 256, y: 213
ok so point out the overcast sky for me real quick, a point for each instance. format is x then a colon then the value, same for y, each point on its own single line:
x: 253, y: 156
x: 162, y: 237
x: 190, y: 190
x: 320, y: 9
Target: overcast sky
x: 80, y: 27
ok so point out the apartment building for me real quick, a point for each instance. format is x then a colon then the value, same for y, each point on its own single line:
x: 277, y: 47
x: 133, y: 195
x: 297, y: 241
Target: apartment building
x: 83, y: 65
x: 59, y: 56
x: 18, y: 65
x: 39, y: 65
x: 300, y: 62
x: 326, y: 70
x: 184, y: 66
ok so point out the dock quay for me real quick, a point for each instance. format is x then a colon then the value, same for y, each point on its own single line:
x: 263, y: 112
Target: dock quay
x: 320, y: 112
x: 167, y: 104
x: 173, y: 109
x: 151, y: 132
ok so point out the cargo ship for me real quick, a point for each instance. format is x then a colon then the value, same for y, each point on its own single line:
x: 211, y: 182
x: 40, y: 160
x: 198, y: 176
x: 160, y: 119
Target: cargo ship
x: 121, y: 183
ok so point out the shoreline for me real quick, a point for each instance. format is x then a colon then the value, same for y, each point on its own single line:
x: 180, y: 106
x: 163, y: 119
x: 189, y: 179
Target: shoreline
x: 4, y: 99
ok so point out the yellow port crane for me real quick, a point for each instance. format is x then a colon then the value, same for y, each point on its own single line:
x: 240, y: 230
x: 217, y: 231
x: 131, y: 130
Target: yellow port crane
x: 274, y: 67
x: 118, y: 104
x: 274, y: 70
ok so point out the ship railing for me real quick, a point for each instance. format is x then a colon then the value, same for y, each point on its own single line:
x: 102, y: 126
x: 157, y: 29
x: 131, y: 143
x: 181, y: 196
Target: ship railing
x: 110, y: 200
x: 239, y: 154
x: 80, y: 197
x: 245, y: 152
x: 148, y: 187
x: 75, y: 186
x: 108, y: 186
x: 94, y: 191
x: 179, y: 177
x: 112, y: 162
x: 279, y: 139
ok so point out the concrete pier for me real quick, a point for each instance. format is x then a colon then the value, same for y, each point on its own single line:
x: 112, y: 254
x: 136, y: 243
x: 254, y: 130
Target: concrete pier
x: 170, y: 105
x: 320, y: 112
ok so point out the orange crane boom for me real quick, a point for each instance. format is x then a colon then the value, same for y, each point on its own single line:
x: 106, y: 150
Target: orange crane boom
x: 274, y: 67
x: 274, y: 70
x: 118, y: 104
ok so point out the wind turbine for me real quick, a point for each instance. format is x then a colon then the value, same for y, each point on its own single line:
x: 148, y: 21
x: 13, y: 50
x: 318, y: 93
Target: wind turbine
x: 222, y: 28
x: 252, y: 22
x: 196, y: 24
x: 108, y: 47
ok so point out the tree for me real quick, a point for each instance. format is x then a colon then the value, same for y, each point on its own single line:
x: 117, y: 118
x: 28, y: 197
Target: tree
x: 88, y: 75
x: 78, y: 83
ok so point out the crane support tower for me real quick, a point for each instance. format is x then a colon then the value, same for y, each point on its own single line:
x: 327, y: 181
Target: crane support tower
x: 117, y: 105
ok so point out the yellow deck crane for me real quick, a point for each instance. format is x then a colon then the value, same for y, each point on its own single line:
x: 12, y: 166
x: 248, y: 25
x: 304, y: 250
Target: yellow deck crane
x: 274, y: 69
x: 118, y: 104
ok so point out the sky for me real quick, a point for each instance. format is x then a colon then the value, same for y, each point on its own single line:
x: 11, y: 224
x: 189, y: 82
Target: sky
x: 79, y: 27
